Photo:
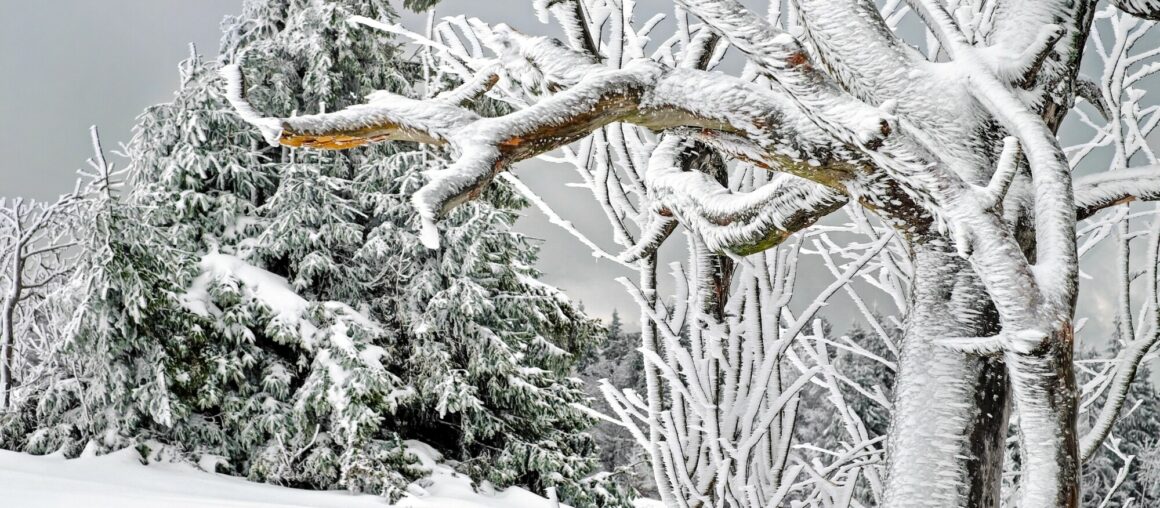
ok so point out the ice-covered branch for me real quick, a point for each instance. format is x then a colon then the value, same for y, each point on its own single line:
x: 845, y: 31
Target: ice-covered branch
x: 643, y: 92
x: 855, y: 44
x: 236, y: 94
x: 1090, y: 91
x: 1018, y: 25
x: 658, y: 227
x: 1022, y: 67
x: 571, y: 16
x: 1147, y: 9
x: 559, y: 221
x: 1102, y: 190
x: 781, y: 56
x: 470, y: 91
x: 1023, y: 342
x: 386, y: 117
x: 1051, y: 176
x: 742, y: 223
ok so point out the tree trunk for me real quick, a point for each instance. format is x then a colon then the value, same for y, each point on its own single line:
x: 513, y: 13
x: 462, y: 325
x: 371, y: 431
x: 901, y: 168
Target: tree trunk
x: 1043, y: 386
x: 8, y: 326
x: 946, y: 439
x: 6, y: 354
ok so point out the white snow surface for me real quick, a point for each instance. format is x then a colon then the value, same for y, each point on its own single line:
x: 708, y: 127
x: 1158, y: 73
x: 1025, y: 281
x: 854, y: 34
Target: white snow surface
x: 120, y: 480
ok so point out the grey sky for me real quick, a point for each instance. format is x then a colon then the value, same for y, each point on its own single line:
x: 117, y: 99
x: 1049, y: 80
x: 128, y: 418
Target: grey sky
x: 68, y: 64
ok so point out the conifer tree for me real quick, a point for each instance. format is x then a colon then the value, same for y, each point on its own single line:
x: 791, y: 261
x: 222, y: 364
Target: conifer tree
x: 109, y: 378
x: 618, y: 361
x: 1138, y: 435
x: 491, y: 348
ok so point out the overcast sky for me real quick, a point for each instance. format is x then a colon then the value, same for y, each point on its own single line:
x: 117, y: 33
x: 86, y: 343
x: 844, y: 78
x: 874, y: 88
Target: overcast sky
x: 69, y: 64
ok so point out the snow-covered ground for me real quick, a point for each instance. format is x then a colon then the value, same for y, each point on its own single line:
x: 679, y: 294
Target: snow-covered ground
x: 120, y: 480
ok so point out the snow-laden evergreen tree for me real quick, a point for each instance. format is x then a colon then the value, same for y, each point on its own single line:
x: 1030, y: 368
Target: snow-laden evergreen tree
x: 618, y: 362
x: 1137, y: 435
x: 92, y: 358
x: 491, y: 348
x: 271, y: 313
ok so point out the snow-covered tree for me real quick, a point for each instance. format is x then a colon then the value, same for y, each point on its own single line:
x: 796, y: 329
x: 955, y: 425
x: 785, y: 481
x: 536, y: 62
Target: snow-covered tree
x: 271, y: 313
x: 1117, y: 475
x: 948, y: 138
x: 491, y: 348
x: 109, y: 377
x: 36, y: 250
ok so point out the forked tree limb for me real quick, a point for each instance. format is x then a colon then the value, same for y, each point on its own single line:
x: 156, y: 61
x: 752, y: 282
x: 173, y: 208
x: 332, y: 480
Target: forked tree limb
x: 644, y: 93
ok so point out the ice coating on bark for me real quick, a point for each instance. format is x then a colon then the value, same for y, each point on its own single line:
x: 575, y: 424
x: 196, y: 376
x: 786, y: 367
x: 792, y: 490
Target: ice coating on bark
x: 778, y: 53
x: 236, y: 94
x: 935, y: 418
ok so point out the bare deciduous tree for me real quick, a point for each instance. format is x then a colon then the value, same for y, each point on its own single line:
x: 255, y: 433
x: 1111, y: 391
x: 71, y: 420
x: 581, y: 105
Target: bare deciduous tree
x: 35, y: 243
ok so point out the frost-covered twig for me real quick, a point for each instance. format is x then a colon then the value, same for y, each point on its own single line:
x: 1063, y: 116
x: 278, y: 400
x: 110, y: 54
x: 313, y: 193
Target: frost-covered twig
x: 555, y: 219
x: 1098, y: 191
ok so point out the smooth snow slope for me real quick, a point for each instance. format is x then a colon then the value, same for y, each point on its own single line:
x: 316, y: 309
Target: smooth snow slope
x: 119, y: 480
